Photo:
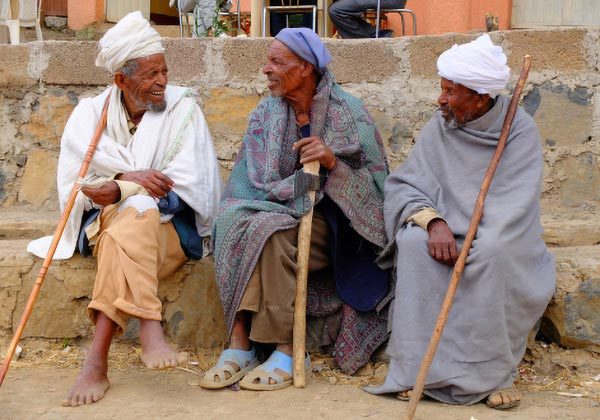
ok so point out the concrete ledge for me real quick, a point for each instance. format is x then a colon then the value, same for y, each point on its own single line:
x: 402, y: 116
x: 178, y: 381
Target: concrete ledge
x: 192, y: 311
x: 191, y: 307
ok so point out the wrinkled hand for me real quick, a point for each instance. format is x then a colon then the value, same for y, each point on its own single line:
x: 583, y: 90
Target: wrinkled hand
x: 442, y: 245
x: 105, y: 195
x: 312, y: 148
x: 155, y: 182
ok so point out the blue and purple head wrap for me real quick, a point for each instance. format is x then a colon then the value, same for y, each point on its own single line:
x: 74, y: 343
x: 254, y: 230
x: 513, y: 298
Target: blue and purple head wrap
x: 306, y: 44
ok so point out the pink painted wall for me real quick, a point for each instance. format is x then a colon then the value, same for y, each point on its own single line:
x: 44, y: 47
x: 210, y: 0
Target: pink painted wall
x: 440, y: 16
x: 84, y: 12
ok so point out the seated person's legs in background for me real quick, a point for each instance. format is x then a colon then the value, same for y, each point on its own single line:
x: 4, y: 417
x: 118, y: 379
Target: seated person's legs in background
x: 348, y: 16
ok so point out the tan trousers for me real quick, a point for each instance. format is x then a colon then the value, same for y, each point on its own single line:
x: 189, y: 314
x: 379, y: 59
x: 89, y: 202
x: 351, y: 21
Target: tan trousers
x: 134, y: 251
x: 271, y: 292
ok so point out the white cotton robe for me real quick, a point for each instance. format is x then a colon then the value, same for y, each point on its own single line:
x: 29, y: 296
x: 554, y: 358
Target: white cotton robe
x: 176, y: 142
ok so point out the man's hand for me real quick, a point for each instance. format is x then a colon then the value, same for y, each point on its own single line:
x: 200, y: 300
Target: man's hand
x: 105, y: 195
x: 155, y: 182
x: 442, y: 246
x: 312, y: 148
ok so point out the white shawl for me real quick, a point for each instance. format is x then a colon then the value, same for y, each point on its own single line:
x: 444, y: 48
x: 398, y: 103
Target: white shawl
x: 176, y: 142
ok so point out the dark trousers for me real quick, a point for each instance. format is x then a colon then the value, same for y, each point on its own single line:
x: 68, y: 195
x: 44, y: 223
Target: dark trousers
x: 277, y: 20
x: 347, y: 16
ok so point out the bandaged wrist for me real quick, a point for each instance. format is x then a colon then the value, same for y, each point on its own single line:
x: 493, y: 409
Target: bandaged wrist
x: 129, y: 188
x: 423, y: 217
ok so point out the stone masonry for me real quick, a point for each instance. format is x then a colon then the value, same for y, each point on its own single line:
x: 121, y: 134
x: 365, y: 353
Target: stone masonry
x: 41, y: 82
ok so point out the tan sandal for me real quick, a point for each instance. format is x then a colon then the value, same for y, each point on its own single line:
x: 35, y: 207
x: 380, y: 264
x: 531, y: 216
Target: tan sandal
x: 405, y: 395
x: 245, y: 360
x: 259, y: 379
x: 508, y: 405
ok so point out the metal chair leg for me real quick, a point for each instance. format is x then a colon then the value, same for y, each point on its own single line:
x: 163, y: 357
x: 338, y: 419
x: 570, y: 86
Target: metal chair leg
x: 403, y: 23
x: 377, y: 19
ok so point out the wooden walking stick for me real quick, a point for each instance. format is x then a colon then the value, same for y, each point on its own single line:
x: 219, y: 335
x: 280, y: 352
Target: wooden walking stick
x: 304, y: 231
x: 464, y: 252
x: 55, y: 239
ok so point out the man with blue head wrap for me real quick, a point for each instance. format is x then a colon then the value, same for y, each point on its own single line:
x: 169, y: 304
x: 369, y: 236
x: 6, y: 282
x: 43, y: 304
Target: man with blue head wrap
x: 307, y: 118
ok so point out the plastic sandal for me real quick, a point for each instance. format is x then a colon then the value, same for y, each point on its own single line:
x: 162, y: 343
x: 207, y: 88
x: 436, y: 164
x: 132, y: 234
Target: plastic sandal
x: 245, y: 360
x: 265, y: 372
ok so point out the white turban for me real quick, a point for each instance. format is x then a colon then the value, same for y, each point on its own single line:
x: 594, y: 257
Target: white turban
x: 132, y: 37
x: 479, y: 65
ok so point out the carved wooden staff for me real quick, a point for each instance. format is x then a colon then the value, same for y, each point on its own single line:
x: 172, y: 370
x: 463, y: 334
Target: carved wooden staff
x: 464, y: 252
x: 304, y: 231
x: 55, y: 239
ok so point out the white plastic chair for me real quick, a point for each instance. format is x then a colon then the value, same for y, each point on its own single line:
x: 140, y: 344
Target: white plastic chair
x: 29, y: 16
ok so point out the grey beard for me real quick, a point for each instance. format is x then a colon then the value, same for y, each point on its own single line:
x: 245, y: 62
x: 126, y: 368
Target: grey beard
x: 157, y: 107
x: 452, y: 124
x: 151, y: 106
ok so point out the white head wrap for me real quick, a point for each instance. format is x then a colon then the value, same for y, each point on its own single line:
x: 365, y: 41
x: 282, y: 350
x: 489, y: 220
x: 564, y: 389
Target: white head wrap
x: 132, y: 37
x: 479, y: 65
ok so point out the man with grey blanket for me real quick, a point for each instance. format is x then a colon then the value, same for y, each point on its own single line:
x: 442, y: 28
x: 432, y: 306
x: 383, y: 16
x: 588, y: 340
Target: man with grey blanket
x: 307, y: 118
x: 509, y: 276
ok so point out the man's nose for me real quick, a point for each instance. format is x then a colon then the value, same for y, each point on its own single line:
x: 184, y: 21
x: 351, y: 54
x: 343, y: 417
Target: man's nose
x: 162, y: 79
x: 442, y: 99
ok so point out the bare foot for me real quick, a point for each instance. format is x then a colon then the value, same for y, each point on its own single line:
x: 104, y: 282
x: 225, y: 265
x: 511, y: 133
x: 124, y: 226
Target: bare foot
x: 503, y: 399
x: 90, y: 386
x: 92, y: 382
x: 156, y: 353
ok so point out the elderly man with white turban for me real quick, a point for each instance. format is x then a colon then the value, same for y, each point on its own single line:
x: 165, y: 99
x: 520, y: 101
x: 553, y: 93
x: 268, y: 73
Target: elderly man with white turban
x: 509, y: 276
x: 307, y: 118
x: 150, y: 197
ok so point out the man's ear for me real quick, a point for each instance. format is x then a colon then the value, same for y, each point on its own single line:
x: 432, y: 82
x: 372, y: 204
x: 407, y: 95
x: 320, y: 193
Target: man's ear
x: 307, y: 69
x: 483, y: 99
x: 120, y: 80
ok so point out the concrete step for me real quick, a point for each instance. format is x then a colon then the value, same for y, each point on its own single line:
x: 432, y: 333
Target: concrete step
x: 193, y: 312
x: 573, y: 316
x: 569, y: 230
x: 560, y: 230
x: 17, y: 223
x: 191, y: 307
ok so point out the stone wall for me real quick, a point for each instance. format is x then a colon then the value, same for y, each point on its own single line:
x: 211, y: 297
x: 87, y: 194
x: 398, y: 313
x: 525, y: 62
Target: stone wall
x: 41, y: 82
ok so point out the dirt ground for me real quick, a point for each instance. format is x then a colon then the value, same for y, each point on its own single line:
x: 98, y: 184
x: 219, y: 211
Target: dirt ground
x: 559, y: 384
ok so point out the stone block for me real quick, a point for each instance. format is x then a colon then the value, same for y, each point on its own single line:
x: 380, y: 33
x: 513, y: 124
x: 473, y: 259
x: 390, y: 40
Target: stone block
x: 60, y: 311
x: 72, y: 63
x: 14, y: 263
x: 573, y: 317
x: 191, y: 307
x: 48, y: 118
x: 196, y: 317
x: 226, y: 111
x: 560, y: 50
x: 244, y: 58
x: 424, y: 52
x: 38, y: 186
x: 18, y: 224
x: 571, y: 229
x: 546, y: 102
x: 57, y: 23
x: 359, y: 60
x: 576, y: 179
x: 14, y: 63
x: 186, y: 60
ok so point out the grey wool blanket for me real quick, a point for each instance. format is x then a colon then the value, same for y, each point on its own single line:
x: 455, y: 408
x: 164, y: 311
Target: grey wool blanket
x: 509, y: 277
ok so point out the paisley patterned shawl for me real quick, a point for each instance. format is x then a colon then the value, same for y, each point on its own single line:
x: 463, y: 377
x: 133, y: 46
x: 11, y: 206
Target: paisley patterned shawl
x: 267, y: 190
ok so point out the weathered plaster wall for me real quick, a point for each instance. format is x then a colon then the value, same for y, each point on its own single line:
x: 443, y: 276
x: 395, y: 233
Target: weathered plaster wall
x: 40, y: 83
